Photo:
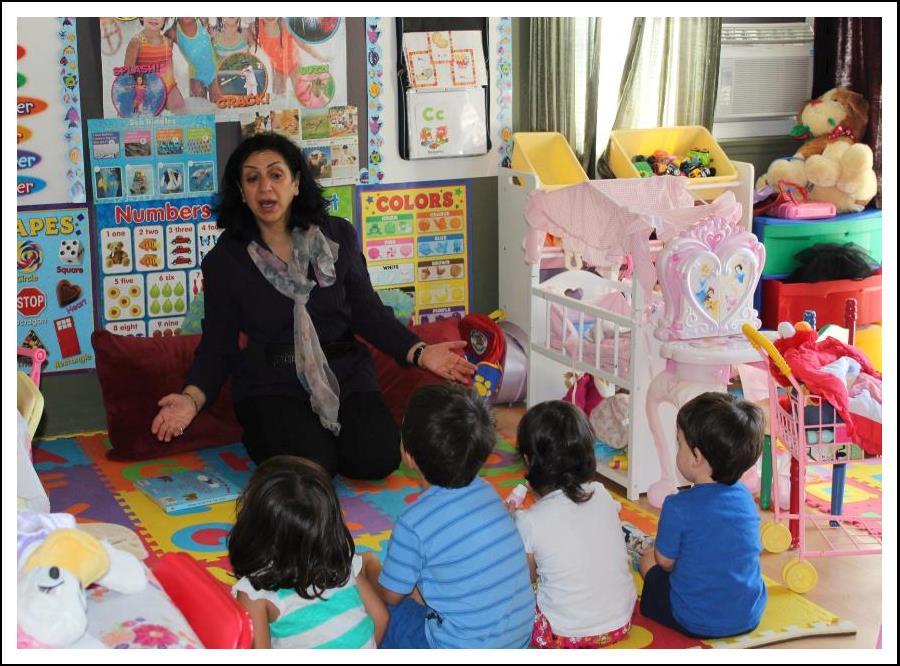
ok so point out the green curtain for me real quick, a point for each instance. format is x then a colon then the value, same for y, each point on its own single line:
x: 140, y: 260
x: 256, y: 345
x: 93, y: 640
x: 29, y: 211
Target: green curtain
x: 671, y: 75
x: 551, y: 86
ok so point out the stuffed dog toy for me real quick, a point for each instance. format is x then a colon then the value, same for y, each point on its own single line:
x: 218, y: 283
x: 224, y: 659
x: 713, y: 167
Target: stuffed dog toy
x: 51, y: 605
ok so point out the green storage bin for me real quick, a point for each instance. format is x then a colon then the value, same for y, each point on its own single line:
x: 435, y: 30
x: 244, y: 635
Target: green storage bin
x: 785, y: 238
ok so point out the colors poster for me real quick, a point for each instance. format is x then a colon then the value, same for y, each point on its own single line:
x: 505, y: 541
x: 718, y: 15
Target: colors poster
x: 416, y: 243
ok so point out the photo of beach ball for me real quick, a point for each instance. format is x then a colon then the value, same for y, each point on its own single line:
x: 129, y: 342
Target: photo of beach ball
x: 314, y: 29
x: 316, y: 90
x: 243, y: 75
x: 30, y: 256
x: 138, y: 95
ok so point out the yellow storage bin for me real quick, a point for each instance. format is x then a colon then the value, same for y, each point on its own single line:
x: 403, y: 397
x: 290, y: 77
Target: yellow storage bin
x: 549, y: 157
x: 626, y: 143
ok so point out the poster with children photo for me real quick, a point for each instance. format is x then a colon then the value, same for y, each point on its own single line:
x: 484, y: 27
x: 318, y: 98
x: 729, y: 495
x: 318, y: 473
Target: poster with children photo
x: 221, y: 65
x: 138, y: 95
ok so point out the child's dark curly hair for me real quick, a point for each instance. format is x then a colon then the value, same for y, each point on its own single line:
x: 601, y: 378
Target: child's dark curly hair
x: 557, y: 444
x: 289, y: 532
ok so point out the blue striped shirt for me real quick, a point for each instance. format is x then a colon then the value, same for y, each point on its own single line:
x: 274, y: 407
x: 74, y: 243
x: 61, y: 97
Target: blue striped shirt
x: 461, y: 547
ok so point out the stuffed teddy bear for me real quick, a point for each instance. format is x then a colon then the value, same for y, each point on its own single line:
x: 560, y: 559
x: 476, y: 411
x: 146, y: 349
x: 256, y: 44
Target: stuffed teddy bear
x: 843, y: 175
x: 839, y: 115
x: 832, y: 166
x: 51, y: 606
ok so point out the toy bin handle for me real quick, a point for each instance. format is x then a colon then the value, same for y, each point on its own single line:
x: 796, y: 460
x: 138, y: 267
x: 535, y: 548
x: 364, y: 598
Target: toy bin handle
x: 759, y: 341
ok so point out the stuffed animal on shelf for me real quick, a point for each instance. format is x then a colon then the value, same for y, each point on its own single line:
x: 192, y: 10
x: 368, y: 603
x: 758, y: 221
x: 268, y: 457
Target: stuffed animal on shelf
x: 52, y: 606
x: 843, y: 175
x: 832, y: 165
x: 840, y: 115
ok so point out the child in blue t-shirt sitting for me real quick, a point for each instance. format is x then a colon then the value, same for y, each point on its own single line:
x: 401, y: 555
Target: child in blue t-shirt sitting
x: 703, y: 577
x: 455, y: 574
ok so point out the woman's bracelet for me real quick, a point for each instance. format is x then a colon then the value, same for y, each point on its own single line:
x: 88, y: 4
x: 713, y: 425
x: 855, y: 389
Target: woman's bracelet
x: 417, y: 353
x: 193, y: 400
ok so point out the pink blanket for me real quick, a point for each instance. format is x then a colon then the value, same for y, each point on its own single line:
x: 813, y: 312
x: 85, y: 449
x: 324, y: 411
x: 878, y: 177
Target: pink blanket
x: 605, y: 220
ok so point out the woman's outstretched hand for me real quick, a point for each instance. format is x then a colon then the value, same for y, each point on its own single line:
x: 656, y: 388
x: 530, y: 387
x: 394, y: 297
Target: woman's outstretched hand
x: 443, y: 360
x: 177, y: 410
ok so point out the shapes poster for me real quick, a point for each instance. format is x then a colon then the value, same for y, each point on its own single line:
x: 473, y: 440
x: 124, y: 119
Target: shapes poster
x: 223, y: 65
x: 48, y: 127
x: 54, y: 299
x: 139, y: 159
x: 416, y: 243
x: 327, y: 137
x: 148, y: 259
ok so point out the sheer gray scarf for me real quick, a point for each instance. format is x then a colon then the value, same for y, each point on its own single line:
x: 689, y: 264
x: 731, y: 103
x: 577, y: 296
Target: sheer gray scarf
x: 311, y: 247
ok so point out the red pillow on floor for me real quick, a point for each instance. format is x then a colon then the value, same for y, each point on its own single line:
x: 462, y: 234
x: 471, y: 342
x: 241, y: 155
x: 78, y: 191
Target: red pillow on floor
x: 398, y: 382
x: 134, y: 374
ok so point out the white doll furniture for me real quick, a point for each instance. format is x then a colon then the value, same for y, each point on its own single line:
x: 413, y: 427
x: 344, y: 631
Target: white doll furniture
x: 708, y: 274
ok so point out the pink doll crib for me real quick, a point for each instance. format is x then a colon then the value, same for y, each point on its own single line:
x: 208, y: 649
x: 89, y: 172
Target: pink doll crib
x: 595, y: 318
x: 708, y: 274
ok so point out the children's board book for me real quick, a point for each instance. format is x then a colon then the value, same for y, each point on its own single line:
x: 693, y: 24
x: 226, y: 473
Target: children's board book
x: 188, y: 489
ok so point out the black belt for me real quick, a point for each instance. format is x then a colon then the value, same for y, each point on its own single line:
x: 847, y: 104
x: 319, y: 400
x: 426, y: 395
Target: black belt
x: 281, y: 354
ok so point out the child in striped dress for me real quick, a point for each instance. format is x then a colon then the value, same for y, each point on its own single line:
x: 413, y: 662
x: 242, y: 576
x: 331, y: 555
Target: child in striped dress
x: 293, y: 556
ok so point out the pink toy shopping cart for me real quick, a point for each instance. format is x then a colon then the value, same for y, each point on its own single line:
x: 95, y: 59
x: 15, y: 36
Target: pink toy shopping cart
x: 813, y: 433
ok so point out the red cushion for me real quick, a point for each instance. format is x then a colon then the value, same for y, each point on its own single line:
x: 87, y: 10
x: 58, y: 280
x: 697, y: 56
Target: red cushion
x: 398, y: 382
x: 134, y: 374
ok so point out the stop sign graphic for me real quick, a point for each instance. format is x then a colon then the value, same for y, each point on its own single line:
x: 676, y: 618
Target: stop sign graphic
x: 31, y: 302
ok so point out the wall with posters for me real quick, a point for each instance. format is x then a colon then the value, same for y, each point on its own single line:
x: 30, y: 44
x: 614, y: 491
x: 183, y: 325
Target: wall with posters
x: 50, y: 164
x: 79, y: 392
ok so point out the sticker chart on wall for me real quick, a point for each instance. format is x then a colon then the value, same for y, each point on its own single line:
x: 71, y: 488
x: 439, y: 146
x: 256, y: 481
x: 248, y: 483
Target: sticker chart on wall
x: 50, y: 164
x: 54, y: 300
x: 416, y: 243
x: 327, y: 137
x: 223, y: 65
x: 148, y: 258
x: 139, y: 159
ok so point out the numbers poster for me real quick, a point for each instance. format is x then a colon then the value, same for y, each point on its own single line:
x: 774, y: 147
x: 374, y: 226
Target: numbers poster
x: 54, y: 300
x: 148, y: 259
x: 416, y: 243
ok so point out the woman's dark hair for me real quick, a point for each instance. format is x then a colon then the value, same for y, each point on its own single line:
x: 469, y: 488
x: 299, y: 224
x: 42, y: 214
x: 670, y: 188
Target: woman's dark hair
x: 309, y: 206
x: 289, y: 531
x: 449, y: 430
x: 557, y: 443
x: 727, y: 430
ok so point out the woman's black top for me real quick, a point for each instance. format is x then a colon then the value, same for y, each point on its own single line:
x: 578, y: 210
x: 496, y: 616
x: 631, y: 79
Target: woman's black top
x: 239, y: 299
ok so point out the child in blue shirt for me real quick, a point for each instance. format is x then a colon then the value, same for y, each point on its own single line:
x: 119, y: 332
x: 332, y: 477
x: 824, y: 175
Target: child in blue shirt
x: 455, y: 574
x: 703, y: 576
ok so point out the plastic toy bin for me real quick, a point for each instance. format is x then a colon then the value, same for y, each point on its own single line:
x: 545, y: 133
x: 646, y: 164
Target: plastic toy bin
x: 549, y: 157
x: 626, y: 143
x: 786, y: 301
x: 785, y: 238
